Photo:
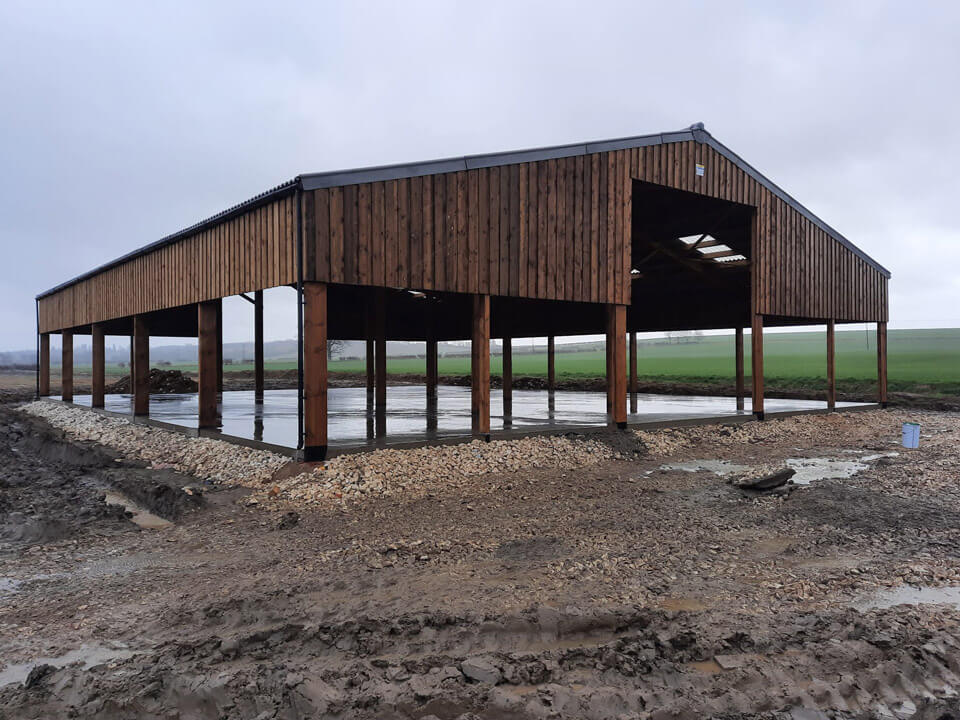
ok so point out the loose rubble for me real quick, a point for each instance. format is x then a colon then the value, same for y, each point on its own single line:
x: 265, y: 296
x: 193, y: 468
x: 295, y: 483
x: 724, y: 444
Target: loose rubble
x: 204, y: 458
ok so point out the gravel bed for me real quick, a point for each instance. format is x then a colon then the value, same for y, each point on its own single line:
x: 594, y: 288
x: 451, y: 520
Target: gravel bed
x: 204, y: 458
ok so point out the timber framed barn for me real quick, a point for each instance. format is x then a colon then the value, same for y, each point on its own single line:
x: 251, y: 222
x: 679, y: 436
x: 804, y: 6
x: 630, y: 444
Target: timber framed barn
x: 670, y: 231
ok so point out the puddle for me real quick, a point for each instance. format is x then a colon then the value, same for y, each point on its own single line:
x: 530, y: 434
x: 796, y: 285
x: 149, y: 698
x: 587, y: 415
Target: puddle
x: 143, y: 518
x: 682, y: 604
x: 811, y: 469
x: 707, y: 667
x: 717, y: 467
x: 86, y: 655
x: 911, y: 595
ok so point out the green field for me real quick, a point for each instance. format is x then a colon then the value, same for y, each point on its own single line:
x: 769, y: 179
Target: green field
x: 926, y: 361
x: 918, y: 360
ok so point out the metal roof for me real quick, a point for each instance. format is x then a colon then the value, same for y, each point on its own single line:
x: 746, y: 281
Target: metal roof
x: 337, y: 178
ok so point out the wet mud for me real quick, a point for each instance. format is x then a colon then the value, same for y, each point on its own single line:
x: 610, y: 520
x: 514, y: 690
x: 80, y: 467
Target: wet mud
x: 644, y: 587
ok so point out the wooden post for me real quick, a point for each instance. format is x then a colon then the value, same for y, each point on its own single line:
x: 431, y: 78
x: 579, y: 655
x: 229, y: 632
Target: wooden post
x: 882, y: 362
x: 831, y: 367
x: 380, y: 340
x: 44, y: 388
x: 207, y: 320
x: 98, y: 369
x: 66, y: 366
x: 141, y: 366
x: 738, y: 352
x: 551, y: 364
x: 315, y: 370
x: 431, y: 362
x: 617, y: 365
x: 369, y: 322
x: 480, y: 366
x: 258, y: 345
x: 507, y: 383
x: 608, y: 363
x: 633, y: 372
x: 133, y: 376
x: 219, y: 345
x: 756, y: 358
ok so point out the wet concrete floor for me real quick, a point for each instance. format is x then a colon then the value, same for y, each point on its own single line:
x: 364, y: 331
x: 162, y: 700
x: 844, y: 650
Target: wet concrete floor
x: 352, y: 419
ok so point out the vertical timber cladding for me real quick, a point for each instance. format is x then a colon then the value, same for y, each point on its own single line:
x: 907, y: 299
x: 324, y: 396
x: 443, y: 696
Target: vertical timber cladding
x: 251, y: 251
x: 555, y: 229
x: 559, y: 229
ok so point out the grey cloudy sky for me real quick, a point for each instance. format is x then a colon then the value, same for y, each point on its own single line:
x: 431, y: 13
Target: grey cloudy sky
x: 120, y: 123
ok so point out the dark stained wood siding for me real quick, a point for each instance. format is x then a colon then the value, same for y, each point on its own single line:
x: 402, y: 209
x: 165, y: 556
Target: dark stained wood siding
x: 553, y: 229
x: 250, y: 252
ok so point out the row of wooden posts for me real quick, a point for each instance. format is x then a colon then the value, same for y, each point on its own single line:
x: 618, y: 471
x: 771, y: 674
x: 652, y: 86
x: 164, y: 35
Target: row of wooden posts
x: 210, y: 349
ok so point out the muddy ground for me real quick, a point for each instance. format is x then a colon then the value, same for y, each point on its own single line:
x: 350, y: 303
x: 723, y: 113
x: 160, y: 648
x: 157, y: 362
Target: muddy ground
x: 631, y: 588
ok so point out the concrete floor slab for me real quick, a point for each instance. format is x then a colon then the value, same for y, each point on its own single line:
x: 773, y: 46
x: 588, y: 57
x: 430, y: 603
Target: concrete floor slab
x: 351, y: 418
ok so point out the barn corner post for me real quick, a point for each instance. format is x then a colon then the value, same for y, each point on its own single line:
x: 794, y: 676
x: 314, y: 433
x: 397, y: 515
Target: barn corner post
x: 207, y: 332
x: 97, y: 365
x: 507, y: 380
x: 258, y: 346
x: 831, y: 366
x: 738, y: 362
x: 66, y: 366
x: 551, y: 373
x: 431, y: 369
x: 141, y: 366
x: 315, y: 370
x: 756, y: 322
x: 617, y: 364
x: 480, y: 367
x: 882, y: 362
x: 39, y: 342
x: 380, y: 361
x: 43, y: 364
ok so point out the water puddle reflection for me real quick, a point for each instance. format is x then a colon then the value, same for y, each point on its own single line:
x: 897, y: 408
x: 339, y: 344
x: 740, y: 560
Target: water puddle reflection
x: 142, y: 517
x: 912, y: 595
x: 87, y: 656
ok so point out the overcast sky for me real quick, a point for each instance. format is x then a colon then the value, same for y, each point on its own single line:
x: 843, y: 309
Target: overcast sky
x: 120, y: 124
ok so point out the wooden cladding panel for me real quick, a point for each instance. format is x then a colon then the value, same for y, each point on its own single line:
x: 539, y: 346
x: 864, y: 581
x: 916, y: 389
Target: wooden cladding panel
x: 554, y: 229
x: 557, y: 229
x: 253, y: 251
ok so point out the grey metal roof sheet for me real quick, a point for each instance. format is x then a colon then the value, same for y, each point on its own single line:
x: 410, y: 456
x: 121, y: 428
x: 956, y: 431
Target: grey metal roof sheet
x: 337, y: 178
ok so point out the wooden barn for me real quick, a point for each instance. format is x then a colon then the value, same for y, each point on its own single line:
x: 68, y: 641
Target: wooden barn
x: 671, y: 231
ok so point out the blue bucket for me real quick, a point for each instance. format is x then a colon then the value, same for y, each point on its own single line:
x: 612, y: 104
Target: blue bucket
x: 911, y: 435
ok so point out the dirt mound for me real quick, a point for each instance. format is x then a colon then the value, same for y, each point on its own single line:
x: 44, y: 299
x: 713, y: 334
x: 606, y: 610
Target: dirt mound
x: 161, y: 382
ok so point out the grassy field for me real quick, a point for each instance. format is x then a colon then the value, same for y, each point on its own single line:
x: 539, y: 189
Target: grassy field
x: 925, y: 361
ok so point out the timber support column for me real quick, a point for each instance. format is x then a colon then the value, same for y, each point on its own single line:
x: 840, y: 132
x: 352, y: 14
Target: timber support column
x: 480, y: 367
x: 141, y: 366
x: 551, y: 372
x: 133, y: 375
x: 44, y: 386
x: 207, y: 321
x: 738, y: 352
x: 617, y: 363
x: 315, y: 371
x: 66, y: 366
x: 882, y: 362
x: 258, y: 345
x: 633, y: 372
x: 507, y: 383
x: 756, y: 358
x: 219, y: 345
x: 98, y: 369
x: 831, y: 367
x: 380, y: 340
x: 431, y: 361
